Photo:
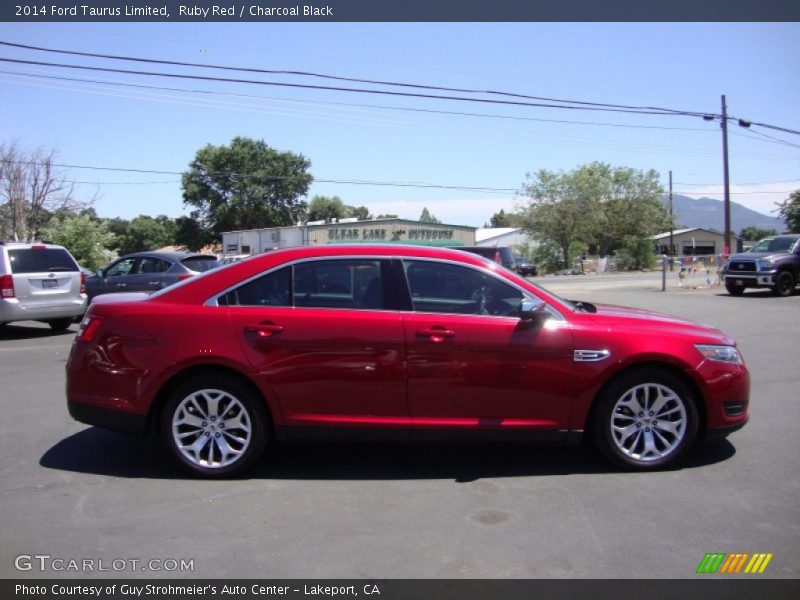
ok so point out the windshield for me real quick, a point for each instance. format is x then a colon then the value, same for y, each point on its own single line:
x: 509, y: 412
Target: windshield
x: 774, y: 244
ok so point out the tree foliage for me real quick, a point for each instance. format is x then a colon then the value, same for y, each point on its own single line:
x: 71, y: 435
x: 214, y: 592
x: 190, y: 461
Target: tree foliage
x: 427, y: 217
x: 246, y: 185
x: 88, y: 239
x: 789, y: 211
x: 595, y: 204
x: 753, y: 233
x: 148, y: 233
x: 359, y: 212
x: 503, y: 219
x: 325, y: 208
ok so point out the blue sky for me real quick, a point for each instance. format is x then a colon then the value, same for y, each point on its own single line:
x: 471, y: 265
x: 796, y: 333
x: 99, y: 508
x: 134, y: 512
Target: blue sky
x: 681, y: 66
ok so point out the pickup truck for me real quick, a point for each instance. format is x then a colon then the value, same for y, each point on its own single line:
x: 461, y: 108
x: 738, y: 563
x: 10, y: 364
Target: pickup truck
x: 773, y: 263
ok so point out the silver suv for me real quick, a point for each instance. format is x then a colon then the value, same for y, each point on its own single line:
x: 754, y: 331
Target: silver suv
x: 40, y: 282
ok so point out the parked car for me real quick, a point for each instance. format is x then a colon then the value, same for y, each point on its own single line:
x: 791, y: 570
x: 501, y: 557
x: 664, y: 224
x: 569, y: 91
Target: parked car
x: 502, y: 255
x: 147, y: 272
x: 40, y: 282
x: 773, y: 262
x: 525, y: 267
x: 398, y: 343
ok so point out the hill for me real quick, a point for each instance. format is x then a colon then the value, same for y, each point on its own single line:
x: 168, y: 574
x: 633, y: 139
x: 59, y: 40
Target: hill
x: 709, y: 213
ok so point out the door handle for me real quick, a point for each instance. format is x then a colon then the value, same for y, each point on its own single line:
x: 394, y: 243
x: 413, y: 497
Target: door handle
x: 122, y: 285
x: 436, y: 334
x: 264, y: 330
x: 153, y: 283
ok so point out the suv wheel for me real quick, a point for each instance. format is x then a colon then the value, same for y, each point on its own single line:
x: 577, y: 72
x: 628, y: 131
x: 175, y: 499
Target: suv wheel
x: 60, y: 324
x: 646, y: 420
x: 214, y: 425
x: 784, y: 284
x: 734, y: 290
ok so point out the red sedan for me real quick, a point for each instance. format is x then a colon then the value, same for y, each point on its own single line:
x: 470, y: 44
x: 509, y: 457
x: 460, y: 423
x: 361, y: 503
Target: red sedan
x: 398, y: 343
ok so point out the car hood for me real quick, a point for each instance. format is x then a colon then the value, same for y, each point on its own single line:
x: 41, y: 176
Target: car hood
x: 645, y: 320
x: 755, y: 255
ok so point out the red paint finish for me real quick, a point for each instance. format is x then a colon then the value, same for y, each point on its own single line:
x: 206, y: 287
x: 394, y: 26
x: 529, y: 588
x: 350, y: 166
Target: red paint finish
x: 391, y: 369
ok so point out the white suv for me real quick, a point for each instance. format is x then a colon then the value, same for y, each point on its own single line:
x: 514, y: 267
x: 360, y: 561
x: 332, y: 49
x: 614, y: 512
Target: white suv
x: 40, y: 282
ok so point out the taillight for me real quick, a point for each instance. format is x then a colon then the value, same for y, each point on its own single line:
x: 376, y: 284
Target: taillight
x: 184, y: 276
x: 88, y: 329
x: 6, y: 286
x: 83, y: 282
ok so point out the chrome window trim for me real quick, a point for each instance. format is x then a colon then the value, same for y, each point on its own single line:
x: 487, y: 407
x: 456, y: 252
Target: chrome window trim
x: 488, y: 270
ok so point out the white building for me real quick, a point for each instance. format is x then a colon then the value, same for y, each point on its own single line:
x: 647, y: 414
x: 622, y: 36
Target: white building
x: 695, y: 241
x: 494, y: 237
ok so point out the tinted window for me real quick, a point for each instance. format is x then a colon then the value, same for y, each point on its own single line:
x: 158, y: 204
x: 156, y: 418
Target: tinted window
x: 200, y: 263
x: 37, y: 260
x: 272, y: 289
x: 153, y: 265
x: 446, y: 288
x: 338, y: 284
x: 123, y: 267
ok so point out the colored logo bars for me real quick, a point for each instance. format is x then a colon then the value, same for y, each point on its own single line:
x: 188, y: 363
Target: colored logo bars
x: 719, y: 562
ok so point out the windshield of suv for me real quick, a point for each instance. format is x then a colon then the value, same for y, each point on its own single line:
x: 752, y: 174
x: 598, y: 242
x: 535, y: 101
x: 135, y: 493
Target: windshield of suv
x: 774, y: 244
x: 40, y: 260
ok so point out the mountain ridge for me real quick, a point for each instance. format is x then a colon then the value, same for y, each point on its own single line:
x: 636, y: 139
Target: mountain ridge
x: 708, y: 213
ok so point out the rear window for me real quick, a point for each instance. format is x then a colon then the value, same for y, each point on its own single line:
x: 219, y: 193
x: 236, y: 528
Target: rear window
x: 200, y: 263
x: 40, y: 260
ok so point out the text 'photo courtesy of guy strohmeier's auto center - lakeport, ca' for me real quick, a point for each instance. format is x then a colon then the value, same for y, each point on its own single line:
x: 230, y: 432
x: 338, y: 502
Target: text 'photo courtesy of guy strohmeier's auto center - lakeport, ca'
x: 395, y: 301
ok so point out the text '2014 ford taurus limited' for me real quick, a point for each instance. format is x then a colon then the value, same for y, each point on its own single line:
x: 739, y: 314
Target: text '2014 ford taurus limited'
x: 398, y: 342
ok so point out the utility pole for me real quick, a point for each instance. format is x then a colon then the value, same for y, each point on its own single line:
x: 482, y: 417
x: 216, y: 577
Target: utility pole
x: 671, y: 228
x: 727, y: 201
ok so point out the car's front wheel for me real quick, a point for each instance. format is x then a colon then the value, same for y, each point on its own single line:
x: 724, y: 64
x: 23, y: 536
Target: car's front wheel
x: 784, y: 284
x: 645, y: 420
x: 214, y: 425
x: 734, y: 290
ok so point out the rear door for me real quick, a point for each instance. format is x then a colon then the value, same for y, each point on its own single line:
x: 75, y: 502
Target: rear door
x: 324, y: 337
x: 44, y: 276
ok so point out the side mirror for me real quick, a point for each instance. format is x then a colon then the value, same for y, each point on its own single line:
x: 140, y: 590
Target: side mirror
x: 533, y: 309
x: 99, y: 273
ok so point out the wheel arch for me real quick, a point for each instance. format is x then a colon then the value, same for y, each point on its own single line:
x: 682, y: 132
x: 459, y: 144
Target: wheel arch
x: 697, y: 393
x: 154, y: 415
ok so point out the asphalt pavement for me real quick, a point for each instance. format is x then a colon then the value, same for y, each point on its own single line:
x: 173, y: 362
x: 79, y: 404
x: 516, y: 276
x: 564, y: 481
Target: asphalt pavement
x: 73, y: 492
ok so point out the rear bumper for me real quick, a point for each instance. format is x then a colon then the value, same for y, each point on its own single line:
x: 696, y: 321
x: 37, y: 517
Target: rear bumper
x: 110, y: 419
x: 11, y: 309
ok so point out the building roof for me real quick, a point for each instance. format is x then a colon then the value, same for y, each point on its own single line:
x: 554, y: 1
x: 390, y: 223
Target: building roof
x: 487, y: 233
x: 661, y: 236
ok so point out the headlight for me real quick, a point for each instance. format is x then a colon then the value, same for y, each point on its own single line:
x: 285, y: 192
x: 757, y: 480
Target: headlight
x: 728, y: 354
x: 764, y: 264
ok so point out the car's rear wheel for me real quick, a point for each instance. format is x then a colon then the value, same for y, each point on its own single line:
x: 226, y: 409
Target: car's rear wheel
x: 734, y: 290
x: 645, y: 420
x: 60, y: 324
x: 784, y: 284
x: 214, y: 425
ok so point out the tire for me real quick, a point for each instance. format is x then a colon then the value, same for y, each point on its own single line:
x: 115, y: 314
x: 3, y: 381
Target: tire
x: 232, y: 444
x: 784, y: 284
x: 734, y: 290
x: 60, y: 324
x: 651, y: 442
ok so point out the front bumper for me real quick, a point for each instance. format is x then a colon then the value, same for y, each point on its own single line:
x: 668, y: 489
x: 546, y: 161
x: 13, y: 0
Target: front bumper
x: 757, y: 279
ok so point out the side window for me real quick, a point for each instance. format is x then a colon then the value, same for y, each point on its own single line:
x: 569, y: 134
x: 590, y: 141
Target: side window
x: 123, y: 267
x: 152, y: 265
x: 338, y: 284
x: 272, y: 289
x: 446, y: 288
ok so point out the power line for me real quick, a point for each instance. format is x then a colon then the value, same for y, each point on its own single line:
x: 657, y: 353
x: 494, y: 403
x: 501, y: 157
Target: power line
x: 349, y: 104
x: 769, y: 138
x: 345, y: 89
x: 339, y: 78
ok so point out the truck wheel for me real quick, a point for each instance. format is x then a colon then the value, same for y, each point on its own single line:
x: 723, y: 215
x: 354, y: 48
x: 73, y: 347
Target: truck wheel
x: 734, y: 290
x: 784, y: 284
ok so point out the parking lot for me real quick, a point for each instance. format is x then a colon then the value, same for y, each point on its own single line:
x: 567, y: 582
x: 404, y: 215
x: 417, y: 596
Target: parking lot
x: 428, y: 511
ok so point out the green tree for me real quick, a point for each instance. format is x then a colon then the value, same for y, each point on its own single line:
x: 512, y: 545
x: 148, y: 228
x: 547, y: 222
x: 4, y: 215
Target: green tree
x: 595, y: 204
x: 148, y: 233
x: 88, y: 239
x: 789, y: 211
x: 386, y: 216
x: 504, y: 219
x: 326, y: 208
x: 190, y: 233
x: 246, y: 185
x: 359, y: 212
x: 753, y: 233
x: 427, y: 217
x: 636, y: 252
